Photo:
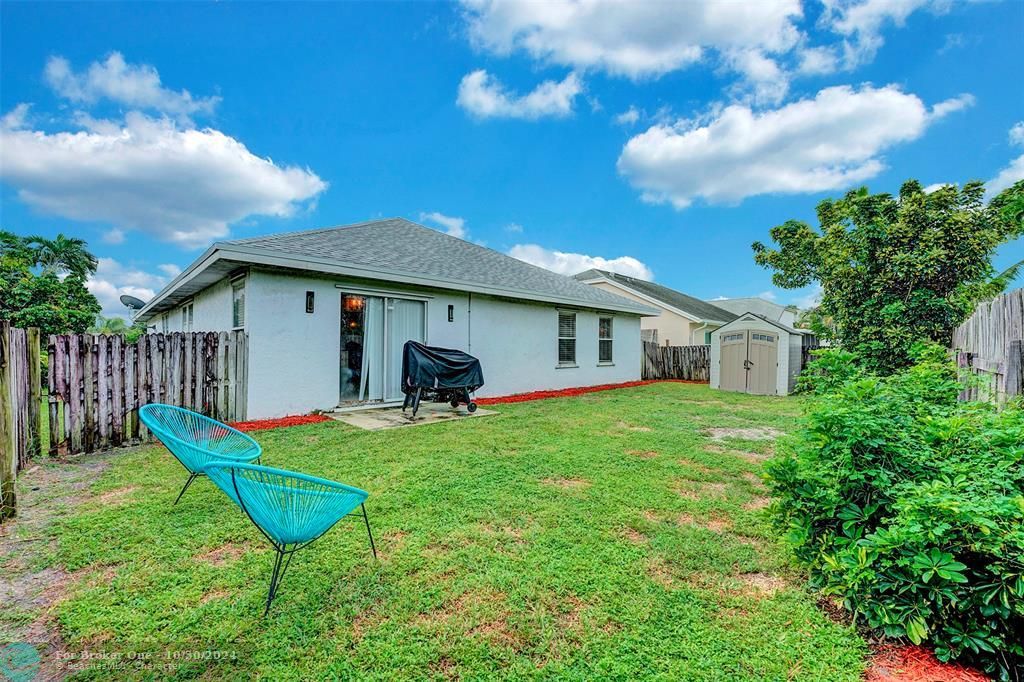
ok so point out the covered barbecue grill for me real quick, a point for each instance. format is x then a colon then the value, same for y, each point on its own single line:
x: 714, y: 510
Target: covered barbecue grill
x: 440, y: 374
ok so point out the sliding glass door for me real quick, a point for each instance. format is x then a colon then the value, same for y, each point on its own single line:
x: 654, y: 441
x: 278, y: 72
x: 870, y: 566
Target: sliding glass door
x: 373, y: 331
x: 404, y: 321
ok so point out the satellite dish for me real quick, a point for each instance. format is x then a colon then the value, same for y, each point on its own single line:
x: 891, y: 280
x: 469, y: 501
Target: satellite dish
x: 132, y: 303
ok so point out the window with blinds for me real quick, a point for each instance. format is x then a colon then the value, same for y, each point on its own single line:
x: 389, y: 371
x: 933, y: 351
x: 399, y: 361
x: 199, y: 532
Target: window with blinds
x: 238, y: 304
x: 566, y: 338
x: 604, y: 339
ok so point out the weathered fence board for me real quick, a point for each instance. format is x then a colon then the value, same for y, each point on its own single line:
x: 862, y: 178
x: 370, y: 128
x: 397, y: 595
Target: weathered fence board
x: 990, y: 345
x: 20, y: 408
x: 101, y: 381
x: 692, y: 363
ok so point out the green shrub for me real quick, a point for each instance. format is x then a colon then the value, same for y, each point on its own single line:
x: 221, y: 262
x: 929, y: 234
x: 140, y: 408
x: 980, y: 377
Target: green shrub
x: 910, y: 506
x: 830, y: 369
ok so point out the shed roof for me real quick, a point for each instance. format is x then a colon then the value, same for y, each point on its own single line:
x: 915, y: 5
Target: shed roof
x: 394, y: 250
x: 702, y: 310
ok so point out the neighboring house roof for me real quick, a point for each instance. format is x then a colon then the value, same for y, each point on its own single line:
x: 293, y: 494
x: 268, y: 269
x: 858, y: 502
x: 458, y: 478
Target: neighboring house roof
x: 392, y: 250
x: 763, y: 307
x: 688, y: 306
x: 774, y: 323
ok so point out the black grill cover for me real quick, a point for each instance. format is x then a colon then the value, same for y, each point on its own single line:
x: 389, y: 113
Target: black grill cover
x: 438, y: 368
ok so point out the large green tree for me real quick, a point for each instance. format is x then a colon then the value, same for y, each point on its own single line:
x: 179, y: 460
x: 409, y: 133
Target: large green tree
x: 42, y: 283
x: 897, y: 270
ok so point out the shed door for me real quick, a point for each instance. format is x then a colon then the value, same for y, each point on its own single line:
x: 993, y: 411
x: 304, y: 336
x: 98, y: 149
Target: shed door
x: 732, y: 361
x: 763, y: 361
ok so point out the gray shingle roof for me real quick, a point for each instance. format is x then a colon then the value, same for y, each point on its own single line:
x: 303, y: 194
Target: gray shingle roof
x: 762, y: 307
x: 396, y: 245
x: 688, y: 304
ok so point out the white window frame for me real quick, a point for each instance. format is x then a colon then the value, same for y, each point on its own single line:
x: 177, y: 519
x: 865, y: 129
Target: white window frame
x: 187, y: 317
x: 573, y: 338
x: 238, y: 284
x: 611, y: 340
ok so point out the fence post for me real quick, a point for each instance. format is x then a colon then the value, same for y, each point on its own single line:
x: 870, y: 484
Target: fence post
x: 1014, y: 369
x: 8, y: 455
x: 35, y: 393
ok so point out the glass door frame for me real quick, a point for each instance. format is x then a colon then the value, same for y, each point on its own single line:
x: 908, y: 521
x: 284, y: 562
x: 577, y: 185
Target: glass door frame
x: 386, y: 295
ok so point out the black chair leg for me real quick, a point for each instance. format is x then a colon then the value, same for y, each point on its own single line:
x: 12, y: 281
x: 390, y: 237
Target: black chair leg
x: 275, y: 579
x: 191, y: 478
x: 366, y: 519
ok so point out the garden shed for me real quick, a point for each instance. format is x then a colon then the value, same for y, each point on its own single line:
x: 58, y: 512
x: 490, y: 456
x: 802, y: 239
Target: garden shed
x: 753, y: 354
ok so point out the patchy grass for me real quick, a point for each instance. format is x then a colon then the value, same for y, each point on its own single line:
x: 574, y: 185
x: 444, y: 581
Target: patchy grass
x: 598, y: 536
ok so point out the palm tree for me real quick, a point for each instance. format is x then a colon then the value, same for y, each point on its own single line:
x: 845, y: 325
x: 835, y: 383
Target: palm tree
x: 63, y: 254
x: 109, y: 325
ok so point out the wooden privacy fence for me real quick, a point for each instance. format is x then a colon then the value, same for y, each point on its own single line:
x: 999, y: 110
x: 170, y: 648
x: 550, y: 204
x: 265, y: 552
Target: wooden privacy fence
x: 20, y: 407
x: 97, y: 383
x: 990, y: 345
x: 692, y: 363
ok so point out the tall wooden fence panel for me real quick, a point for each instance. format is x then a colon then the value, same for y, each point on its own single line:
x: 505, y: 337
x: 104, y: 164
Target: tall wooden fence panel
x: 990, y: 345
x: 97, y: 383
x: 20, y: 397
x: 692, y: 363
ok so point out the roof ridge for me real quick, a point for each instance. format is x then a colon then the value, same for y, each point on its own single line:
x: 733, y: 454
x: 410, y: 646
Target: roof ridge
x: 315, y: 230
x: 398, y: 246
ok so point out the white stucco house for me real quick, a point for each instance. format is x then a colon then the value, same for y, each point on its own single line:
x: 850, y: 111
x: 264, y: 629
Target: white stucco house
x: 327, y: 313
x: 682, y: 320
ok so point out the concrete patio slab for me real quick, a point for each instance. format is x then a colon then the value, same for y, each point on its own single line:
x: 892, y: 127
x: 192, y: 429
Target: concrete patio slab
x: 393, y: 417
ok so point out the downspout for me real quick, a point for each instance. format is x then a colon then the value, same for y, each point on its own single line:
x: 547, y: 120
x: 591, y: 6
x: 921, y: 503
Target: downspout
x: 703, y: 326
x: 469, y: 325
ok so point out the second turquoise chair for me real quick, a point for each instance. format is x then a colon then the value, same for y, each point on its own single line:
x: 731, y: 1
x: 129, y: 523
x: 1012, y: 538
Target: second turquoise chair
x: 291, y: 510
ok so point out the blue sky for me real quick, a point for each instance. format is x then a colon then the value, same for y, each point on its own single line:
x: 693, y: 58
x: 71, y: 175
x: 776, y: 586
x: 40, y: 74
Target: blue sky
x: 662, y: 138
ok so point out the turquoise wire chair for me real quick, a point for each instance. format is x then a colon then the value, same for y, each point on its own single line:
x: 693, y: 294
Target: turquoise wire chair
x: 290, y: 509
x: 195, y: 440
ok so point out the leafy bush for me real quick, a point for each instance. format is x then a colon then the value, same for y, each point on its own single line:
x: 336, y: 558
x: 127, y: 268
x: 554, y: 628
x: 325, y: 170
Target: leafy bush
x: 830, y: 369
x: 910, y: 506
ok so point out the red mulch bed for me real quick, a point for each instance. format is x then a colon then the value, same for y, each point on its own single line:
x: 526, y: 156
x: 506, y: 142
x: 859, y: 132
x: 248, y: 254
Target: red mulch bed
x: 303, y: 419
x: 910, y: 663
x: 570, y: 392
x: 295, y: 420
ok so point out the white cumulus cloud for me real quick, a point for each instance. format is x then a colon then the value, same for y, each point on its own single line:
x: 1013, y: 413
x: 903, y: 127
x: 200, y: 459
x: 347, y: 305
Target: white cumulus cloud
x: 818, y: 61
x: 456, y: 227
x: 136, y: 86
x: 765, y: 82
x: 573, y: 263
x: 823, y: 143
x: 628, y: 117
x: 952, y: 105
x: 1006, y: 177
x: 633, y: 39
x: 484, y: 96
x: 113, y: 279
x: 1014, y: 171
x: 860, y: 23
x: 1017, y: 133
x: 180, y: 185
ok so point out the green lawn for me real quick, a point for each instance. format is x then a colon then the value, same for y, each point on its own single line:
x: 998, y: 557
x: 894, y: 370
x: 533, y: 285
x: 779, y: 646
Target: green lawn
x: 602, y: 536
